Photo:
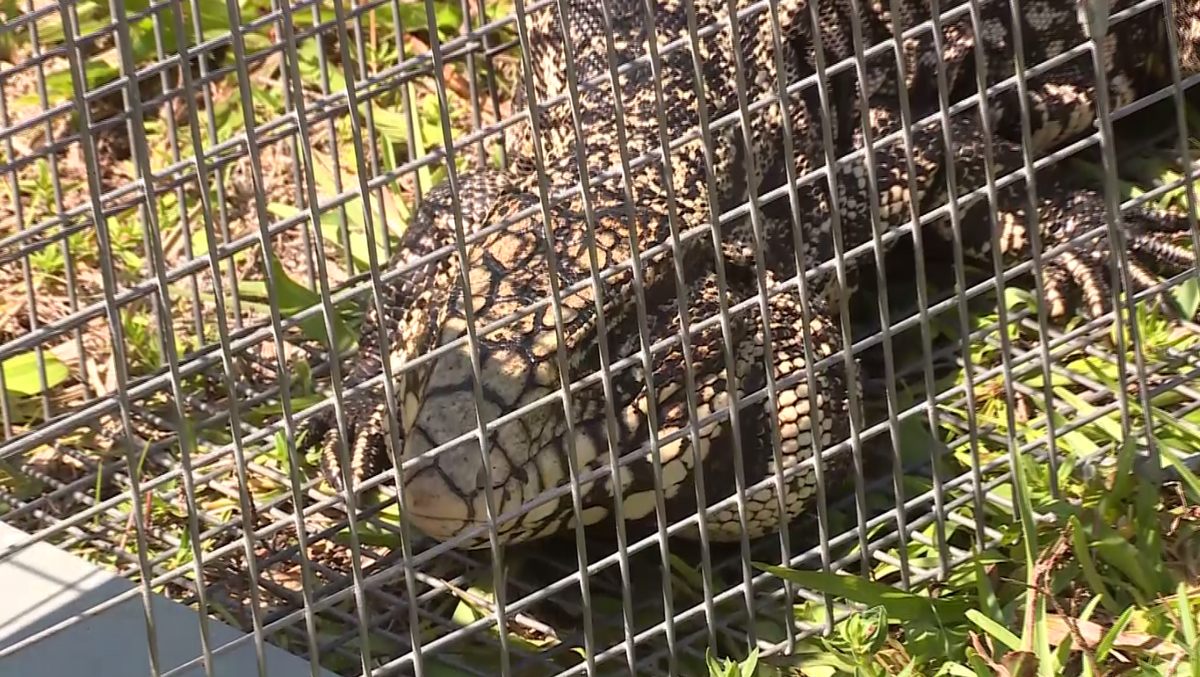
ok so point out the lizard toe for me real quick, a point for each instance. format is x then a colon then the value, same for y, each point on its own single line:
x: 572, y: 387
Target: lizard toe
x: 366, y: 441
x: 1081, y: 277
x: 1090, y: 280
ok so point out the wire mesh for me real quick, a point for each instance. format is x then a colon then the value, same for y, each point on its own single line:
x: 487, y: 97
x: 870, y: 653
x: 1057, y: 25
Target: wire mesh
x: 197, y: 193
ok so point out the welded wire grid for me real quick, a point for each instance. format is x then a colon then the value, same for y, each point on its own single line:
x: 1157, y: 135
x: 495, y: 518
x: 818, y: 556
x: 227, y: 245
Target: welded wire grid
x: 137, y: 208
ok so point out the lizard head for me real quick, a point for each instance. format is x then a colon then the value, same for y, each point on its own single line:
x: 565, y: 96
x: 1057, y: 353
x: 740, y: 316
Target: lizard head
x: 501, y: 382
x: 446, y: 489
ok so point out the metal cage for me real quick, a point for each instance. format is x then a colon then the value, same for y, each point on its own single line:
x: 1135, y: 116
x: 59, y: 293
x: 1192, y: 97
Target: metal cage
x: 171, y: 267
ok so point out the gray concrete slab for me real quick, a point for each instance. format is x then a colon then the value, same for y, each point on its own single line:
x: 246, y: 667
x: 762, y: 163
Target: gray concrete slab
x: 43, y: 586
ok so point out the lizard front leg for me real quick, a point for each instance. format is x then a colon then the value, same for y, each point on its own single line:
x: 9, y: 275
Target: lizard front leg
x: 1065, y: 210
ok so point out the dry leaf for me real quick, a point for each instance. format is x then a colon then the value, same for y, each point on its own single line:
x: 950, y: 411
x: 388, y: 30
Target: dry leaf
x: 1058, y: 628
x: 985, y: 654
x: 1020, y: 664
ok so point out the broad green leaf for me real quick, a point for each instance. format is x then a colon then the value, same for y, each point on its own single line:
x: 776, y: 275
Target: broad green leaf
x: 59, y: 88
x: 1188, y: 296
x: 1110, y: 638
x: 413, y: 16
x: 1127, y: 558
x: 901, y: 605
x: 1087, y: 566
x: 22, y: 375
x: 997, y: 631
x: 294, y: 298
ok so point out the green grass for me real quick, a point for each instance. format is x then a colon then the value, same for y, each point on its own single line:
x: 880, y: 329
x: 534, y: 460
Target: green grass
x: 28, y: 377
x: 178, y: 214
x: 1086, y: 593
x: 1107, y: 584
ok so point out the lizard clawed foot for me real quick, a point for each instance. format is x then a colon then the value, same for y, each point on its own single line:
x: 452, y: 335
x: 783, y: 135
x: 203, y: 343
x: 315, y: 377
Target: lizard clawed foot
x: 1081, y: 277
x: 1084, y: 275
x: 366, y: 435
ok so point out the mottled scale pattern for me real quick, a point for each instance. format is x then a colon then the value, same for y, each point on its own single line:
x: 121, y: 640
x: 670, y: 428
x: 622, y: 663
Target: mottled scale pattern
x: 603, y: 123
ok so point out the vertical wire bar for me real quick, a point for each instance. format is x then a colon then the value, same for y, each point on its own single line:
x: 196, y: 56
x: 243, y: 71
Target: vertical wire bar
x: 409, y: 114
x: 108, y: 276
x: 144, y: 175
x: 173, y: 141
x: 365, y: 73
x: 906, y: 127
x: 406, y: 538
x: 835, y: 222
x: 328, y: 311
x: 214, y: 138
x: 435, y: 49
x: 1096, y: 24
x: 1033, y: 230
x: 805, y: 293
x: 772, y: 404
x: 309, y: 200
x: 605, y: 357
x: 31, y: 300
x: 728, y: 342
x: 960, y: 283
x: 1016, y: 468
x: 673, y: 218
x: 490, y: 75
x: 6, y: 417
x: 639, y: 301
x: 472, y: 80
x: 860, y: 65
x: 832, y: 172
x: 335, y: 160
x: 373, y: 267
x: 253, y: 154
x: 292, y: 105
x: 26, y: 270
x: 560, y: 338
x: 1097, y: 14
x: 572, y: 82
x: 786, y: 159
x: 1181, y: 119
x: 706, y: 567
x: 56, y: 184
